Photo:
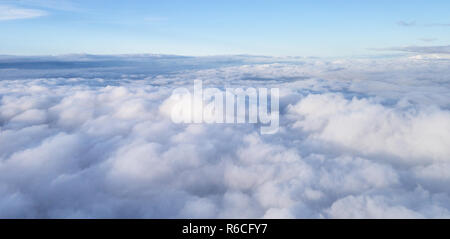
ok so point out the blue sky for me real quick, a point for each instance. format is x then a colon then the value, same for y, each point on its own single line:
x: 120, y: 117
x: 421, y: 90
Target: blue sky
x: 279, y: 28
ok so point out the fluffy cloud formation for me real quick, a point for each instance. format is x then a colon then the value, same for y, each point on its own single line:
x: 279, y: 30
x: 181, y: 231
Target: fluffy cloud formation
x: 361, y: 138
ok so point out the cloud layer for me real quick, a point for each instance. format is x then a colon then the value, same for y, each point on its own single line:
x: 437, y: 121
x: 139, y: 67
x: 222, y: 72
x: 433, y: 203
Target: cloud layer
x: 361, y: 138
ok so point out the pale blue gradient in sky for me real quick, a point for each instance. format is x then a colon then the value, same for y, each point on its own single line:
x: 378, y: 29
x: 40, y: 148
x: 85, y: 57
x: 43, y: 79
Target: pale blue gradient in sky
x: 278, y: 28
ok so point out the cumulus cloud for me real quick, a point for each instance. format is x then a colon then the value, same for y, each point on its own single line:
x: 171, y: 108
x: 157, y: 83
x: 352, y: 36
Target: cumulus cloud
x: 368, y: 127
x: 14, y: 13
x: 358, y: 138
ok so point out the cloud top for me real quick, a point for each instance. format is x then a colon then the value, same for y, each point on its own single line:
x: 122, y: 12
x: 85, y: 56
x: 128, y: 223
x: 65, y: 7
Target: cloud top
x: 358, y: 138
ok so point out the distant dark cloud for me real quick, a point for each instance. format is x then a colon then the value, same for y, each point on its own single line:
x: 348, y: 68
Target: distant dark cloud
x: 423, y: 49
x: 414, y: 23
x: 406, y: 23
x: 428, y: 39
x: 438, y: 25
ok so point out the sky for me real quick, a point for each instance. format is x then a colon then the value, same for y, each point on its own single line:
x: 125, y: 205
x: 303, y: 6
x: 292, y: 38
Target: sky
x: 276, y: 28
x: 92, y: 136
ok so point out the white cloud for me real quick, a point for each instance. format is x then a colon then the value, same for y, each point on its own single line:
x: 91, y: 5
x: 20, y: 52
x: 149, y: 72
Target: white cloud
x: 367, y: 207
x: 371, y: 128
x: 364, y: 138
x: 14, y: 13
